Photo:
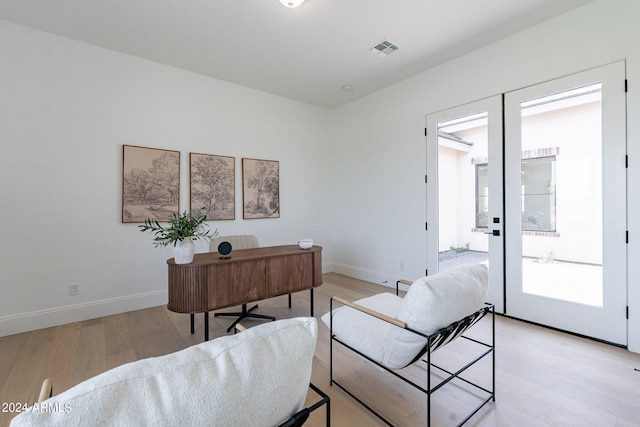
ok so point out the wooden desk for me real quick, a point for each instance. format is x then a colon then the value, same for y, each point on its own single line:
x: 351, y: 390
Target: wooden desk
x: 210, y: 283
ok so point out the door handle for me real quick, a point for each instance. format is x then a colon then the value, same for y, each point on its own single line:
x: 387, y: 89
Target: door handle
x: 493, y: 232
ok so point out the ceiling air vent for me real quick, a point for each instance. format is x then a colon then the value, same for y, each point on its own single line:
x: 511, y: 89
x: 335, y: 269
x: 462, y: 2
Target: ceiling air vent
x: 384, y: 48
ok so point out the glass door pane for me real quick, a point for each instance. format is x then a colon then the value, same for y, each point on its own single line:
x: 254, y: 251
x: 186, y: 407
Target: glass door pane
x: 561, y: 192
x: 463, y: 191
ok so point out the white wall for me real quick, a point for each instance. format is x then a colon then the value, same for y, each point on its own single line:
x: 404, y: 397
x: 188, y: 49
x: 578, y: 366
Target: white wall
x: 380, y: 153
x: 66, y: 110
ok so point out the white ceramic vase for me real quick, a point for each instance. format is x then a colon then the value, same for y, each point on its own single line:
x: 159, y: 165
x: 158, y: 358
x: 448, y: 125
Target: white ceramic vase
x: 183, y: 251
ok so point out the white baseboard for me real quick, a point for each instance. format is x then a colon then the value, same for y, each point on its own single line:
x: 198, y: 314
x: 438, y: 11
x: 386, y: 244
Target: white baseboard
x: 327, y: 267
x: 373, y: 276
x: 30, y: 321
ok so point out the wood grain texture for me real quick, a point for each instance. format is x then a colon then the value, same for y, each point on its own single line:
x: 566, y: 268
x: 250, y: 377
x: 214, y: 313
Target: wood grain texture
x: 210, y: 283
x: 91, y: 355
x: 291, y: 274
x: 544, y: 377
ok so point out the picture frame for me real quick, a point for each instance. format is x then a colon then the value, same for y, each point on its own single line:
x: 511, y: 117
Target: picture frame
x: 260, y: 188
x: 150, y: 183
x: 212, y: 185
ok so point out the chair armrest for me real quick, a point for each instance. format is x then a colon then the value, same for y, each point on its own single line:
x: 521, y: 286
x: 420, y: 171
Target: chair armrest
x: 299, y: 418
x: 46, y: 390
x: 404, y: 282
x: 371, y: 312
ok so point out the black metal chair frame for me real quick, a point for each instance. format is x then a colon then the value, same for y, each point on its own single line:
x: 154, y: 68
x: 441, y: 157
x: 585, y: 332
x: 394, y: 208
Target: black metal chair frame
x: 434, y: 341
x: 296, y: 420
x: 301, y: 416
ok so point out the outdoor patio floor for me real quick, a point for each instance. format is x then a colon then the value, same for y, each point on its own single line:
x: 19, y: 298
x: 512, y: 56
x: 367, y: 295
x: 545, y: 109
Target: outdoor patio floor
x: 567, y: 281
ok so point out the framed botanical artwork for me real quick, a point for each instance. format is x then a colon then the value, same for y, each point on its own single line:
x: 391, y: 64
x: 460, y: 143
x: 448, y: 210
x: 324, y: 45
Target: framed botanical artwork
x: 150, y: 183
x: 213, y: 185
x: 260, y: 189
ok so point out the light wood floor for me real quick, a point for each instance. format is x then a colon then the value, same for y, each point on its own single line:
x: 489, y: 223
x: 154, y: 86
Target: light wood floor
x: 544, y: 378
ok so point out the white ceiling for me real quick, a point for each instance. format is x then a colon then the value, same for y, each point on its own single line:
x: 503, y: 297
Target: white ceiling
x: 307, y: 54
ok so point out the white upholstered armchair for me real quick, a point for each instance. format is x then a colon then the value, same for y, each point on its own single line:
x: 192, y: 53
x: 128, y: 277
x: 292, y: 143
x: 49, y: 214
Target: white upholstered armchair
x: 393, y: 332
x: 259, y: 377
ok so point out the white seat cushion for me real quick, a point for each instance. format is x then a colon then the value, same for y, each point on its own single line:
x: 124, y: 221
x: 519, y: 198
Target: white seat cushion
x: 258, y: 378
x: 361, y: 331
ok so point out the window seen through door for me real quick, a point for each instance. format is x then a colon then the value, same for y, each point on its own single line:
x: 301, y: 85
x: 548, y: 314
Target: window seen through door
x: 538, y: 207
x: 539, y: 194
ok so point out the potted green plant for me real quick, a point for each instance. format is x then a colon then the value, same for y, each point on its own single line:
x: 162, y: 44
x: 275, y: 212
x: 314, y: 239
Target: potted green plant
x: 181, y: 231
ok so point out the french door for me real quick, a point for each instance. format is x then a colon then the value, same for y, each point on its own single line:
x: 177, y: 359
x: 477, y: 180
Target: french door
x: 565, y: 192
x: 544, y: 204
x: 464, y: 177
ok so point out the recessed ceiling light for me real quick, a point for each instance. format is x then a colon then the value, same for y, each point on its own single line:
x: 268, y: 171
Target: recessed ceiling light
x: 384, y: 48
x: 347, y: 88
x: 292, y: 3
